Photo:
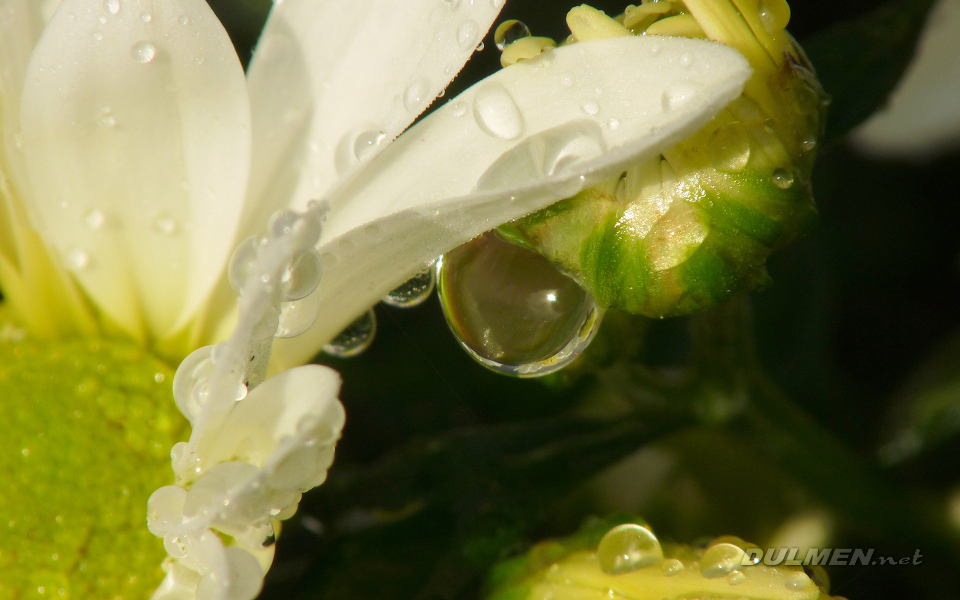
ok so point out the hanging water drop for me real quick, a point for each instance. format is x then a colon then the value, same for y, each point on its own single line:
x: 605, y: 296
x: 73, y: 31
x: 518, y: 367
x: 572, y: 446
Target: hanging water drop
x: 143, y: 51
x: 356, y: 338
x: 497, y: 113
x: 783, y: 179
x: 627, y: 548
x: 511, y: 310
x: 301, y: 277
x: 508, y: 32
x: 298, y: 316
x: 720, y: 559
x: 729, y: 147
x: 414, y: 292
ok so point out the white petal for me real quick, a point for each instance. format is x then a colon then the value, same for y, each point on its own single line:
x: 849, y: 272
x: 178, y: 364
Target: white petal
x: 923, y: 114
x: 332, y: 80
x: 531, y: 134
x: 136, y: 132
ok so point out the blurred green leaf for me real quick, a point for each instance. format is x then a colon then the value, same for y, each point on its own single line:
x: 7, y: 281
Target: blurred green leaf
x: 861, y: 60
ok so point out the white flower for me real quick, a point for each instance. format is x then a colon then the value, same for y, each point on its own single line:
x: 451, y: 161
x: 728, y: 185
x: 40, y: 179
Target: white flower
x: 144, y: 154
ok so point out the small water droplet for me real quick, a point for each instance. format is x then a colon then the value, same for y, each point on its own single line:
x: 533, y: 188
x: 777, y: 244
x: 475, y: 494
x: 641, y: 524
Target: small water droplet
x: 184, y: 20
x: 415, y: 96
x: 508, y: 32
x: 783, y: 179
x: 590, y: 107
x: 511, y: 310
x: 366, y: 143
x: 729, y: 147
x: 627, y: 548
x: 655, y: 49
x: 496, y: 112
x: 98, y: 36
x: 112, y: 6
x: 678, y: 95
x: 302, y: 276
x: 102, y: 20
x: 566, y: 80
x: 164, y: 224
x: 146, y: 17
x: 808, y: 144
x: 479, y: 47
x: 458, y: 109
x: 453, y: 4
x: 467, y: 35
x: 720, y: 559
x: 95, y: 219
x: 613, y: 124
x: 774, y: 14
x: 414, y: 292
x: 143, y: 51
x: 686, y: 60
x: 671, y: 566
x: 76, y: 259
x: 356, y: 338
x: 736, y: 578
x: 800, y: 581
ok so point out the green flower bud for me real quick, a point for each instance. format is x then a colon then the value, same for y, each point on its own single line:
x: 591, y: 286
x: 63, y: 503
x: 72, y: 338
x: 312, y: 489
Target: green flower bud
x: 627, y: 562
x: 684, y: 230
x: 88, y: 426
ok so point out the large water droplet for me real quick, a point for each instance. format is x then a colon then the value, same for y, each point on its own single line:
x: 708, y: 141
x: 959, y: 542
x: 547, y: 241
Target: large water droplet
x: 774, y: 14
x: 112, y: 6
x: 190, y: 383
x: 302, y: 276
x: 627, y: 548
x: 467, y: 34
x: 76, y: 259
x: 414, y: 292
x: 95, y: 219
x: 356, y: 338
x: 676, y: 96
x: 720, y: 559
x: 508, y: 32
x: 143, y: 51
x: 729, y: 147
x: 242, y: 262
x: 297, y: 317
x: 415, y: 96
x: 511, y: 309
x: 783, y: 179
x: 551, y: 152
x: 496, y: 112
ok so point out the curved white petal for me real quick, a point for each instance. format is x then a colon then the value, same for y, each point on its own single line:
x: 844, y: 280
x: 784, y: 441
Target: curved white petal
x: 529, y: 135
x: 136, y: 135
x: 334, y: 80
x: 923, y: 113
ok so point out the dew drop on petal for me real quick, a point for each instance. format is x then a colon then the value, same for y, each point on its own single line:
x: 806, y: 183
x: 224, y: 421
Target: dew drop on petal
x: 190, y: 383
x: 686, y: 60
x: 497, y: 113
x: 627, y: 548
x: 94, y: 219
x: 783, y: 179
x: 76, y: 259
x: 720, y: 559
x: 671, y: 566
x: 298, y: 316
x: 98, y: 36
x: 678, y: 95
x: 164, y: 224
x: 800, y: 581
x: 366, y: 142
x: 729, y: 147
x: 301, y: 277
x: 146, y: 17
x: 467, y: 34
x: 458, y: 109
x: 184, y: 20
x: 112, y: 6
x: 736, y: 578
x: 591, y: 108
x: 453, y: 4
x: 508, y: 32
x: 355, y: 338
x: 414, y: 292
x: 511, y: 309
x: 415, y: 97
x: 143, y: 51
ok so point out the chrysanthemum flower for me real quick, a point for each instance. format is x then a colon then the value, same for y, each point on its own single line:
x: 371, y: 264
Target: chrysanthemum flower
x: 137, y: 154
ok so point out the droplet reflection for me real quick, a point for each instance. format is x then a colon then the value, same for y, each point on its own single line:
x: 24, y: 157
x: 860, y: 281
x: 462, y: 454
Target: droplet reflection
x: 511, y: 309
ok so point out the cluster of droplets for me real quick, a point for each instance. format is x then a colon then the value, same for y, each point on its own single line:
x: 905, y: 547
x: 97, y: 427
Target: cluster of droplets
x: 252, y: 452
x: 630, y: 548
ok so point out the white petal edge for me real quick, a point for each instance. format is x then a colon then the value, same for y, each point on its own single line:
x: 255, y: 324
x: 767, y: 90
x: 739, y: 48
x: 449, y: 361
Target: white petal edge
x: 136, y: 137
x: 334, y: 79
x: 922, y: 117
x: 584, y: 111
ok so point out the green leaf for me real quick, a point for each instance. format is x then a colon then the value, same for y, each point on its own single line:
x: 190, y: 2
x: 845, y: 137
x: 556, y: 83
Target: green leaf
x: 860, y: 61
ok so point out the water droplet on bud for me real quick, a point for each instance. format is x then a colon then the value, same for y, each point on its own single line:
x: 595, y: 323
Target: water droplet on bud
x: 511, y: 309
x: 774, y: 14
x: 627, y: 548
x: 671, y: 566
x: 783, y: 179
x: 356, y: 338
x: 729, y: 147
